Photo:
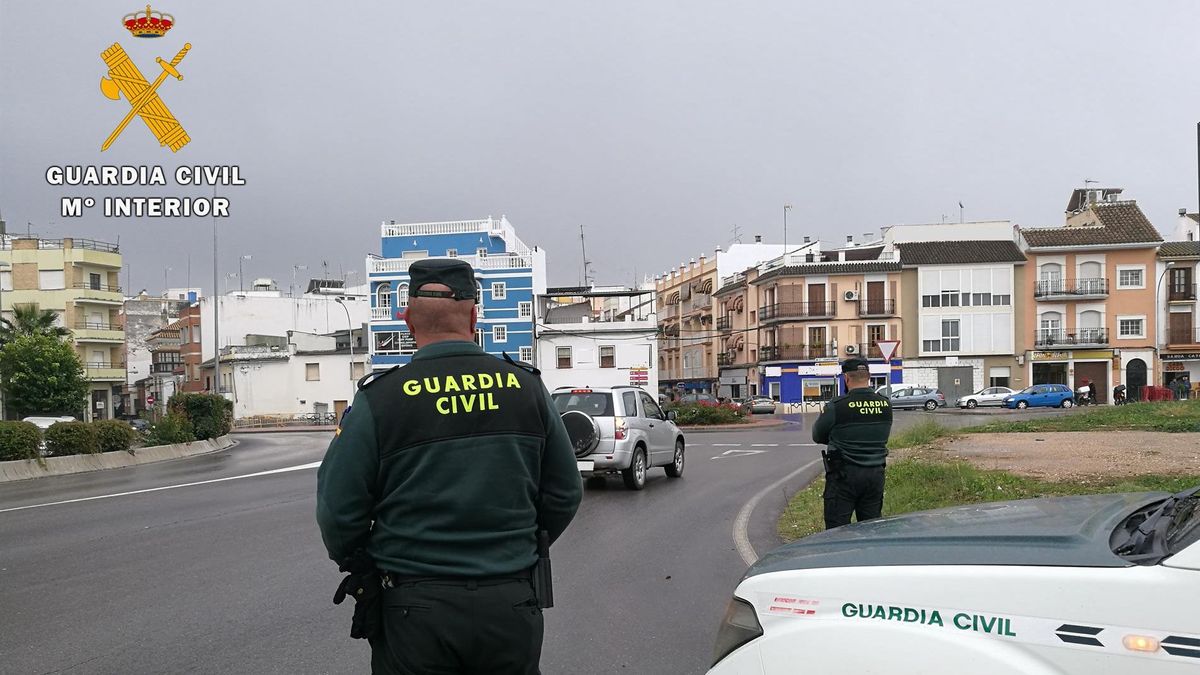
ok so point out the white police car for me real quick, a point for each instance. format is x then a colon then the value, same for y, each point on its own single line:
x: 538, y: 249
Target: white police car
x: 1090, y: 584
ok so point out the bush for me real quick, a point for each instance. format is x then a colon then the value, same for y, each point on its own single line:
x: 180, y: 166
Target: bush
x: 71, y: 438
x: 707, y: 413
x: 209, y: 415
x: 172, y: 429
x: 114, y: 435
x: 19, y: 440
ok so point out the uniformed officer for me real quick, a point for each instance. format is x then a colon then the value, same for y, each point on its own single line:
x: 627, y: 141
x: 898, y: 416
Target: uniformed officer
x: 444, y: 473
x: 855, y: 427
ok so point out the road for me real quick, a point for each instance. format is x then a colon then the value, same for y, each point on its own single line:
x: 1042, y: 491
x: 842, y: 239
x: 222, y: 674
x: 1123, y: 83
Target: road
x: 223, y: 570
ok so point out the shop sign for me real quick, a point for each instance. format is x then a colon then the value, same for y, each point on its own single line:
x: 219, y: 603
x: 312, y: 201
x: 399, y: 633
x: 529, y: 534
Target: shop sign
x: 1174, y: 367
x: 1190, y: 356
x: 1094, y: 354
x: 1051, y: 356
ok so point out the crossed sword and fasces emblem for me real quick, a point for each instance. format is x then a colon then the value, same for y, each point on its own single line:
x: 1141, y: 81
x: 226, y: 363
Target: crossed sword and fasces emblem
x: 125, y: 78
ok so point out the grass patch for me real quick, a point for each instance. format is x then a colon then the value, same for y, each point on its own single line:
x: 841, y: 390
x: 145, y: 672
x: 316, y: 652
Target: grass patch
x: 1173, y: 417
x: 920, y: 484
x: 919, y: 434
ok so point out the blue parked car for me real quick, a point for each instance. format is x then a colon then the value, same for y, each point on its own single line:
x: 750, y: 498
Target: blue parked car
x: 1042, y: 395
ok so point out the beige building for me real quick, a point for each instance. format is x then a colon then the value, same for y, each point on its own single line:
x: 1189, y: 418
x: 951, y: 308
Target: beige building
x: 78, y: 280
x: 737, y: 332
x: 687, y: 345
x: 1092, y: 282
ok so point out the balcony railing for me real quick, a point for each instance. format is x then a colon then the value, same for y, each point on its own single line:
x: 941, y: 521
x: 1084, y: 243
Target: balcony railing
x: 97, y: 287
x: 1183, y: 337
x: 382, y: 313
x: 797, y: 353
x: 1071, y: 288
x: 723, y: 324
x: 725, y: 359
x: 1184, y: 293
x: 796, y: 310
x: 699, y: 302
x: 496, y: 261
x: 448, y: 227
x: 165, y: 367
x: 876, y: 307
x: 1050, y: 337
x: 870, y: 350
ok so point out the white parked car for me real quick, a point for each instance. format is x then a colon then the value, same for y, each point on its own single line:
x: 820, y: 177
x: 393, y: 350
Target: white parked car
x: 986, y: 396
x: 1089, y: 584
x: 44, y: 422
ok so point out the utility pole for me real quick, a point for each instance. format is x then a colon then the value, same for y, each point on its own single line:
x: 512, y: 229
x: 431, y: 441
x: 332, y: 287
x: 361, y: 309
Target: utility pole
x: 786, y: 208
x: 587, y: 277
x: 737, y: 234
x: 216, y: 302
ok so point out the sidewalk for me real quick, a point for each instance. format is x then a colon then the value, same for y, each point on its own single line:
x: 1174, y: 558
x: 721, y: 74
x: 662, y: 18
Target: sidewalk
x: 272, y: 430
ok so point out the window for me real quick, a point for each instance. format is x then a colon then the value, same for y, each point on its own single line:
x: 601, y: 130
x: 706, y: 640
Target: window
x: 949, y: 298
x: 499, y: 291
x: 383, y: 295
x: 93, y: 281
x: 608, y: 356
x: 650, y: 408
x: 524, y: 310
x: 451, y: 253
x: 981, y: 299
x: 563, y: 355
x: 629, y: 399
x: 950, y: 338
x: 499, y: 333
x: 402, y: 295
x: 931, y: 345
x: 49, y: 280
x: 312, y: 372
x: 479, y: 336
x: 1130, y: 327
x: 1131, y: 277
x: 526, y: 354
x: 1002, y: 300
x: 753, y: 315
x: 945, y: 299
x: 481, y: 252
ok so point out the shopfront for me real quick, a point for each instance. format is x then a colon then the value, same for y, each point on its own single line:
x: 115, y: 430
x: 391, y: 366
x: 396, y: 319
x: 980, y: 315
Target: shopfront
x: 1181, y: 367
x: 1075, y: 368
x: 818, y: 381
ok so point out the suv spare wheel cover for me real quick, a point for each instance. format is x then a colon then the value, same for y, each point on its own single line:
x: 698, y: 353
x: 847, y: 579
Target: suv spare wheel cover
x: 583, y: 432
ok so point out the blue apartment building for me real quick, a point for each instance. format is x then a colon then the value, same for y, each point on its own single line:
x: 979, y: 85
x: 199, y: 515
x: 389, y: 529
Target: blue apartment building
x: 509, y: 276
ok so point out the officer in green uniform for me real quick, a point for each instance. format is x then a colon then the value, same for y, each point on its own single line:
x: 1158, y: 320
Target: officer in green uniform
x: 855, y: 427
x: 442, y: 477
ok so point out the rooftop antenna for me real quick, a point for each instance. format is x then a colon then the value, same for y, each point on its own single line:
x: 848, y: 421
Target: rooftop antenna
x: 737, y: 234
x: 587, y: 277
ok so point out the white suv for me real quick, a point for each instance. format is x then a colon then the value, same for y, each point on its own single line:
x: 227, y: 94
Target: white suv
x: 623, y: 430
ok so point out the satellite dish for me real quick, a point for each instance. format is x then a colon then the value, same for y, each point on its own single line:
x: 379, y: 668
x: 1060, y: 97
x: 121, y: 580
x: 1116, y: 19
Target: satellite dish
x: 583, y: 432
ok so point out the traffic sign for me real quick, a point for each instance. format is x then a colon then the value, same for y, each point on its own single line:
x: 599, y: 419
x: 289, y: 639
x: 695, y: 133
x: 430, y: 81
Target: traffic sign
x: 150, y: 400
x: 887, y: 348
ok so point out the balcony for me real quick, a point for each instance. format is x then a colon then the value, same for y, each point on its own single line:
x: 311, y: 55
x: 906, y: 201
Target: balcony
x: 383, y: 314
x: 699, y: 302
x: 1080, y: 337
x: 876, y: 307
x: 1181, y: 293
x: 104, y: 370
x: 173, y: 368
x: 869, y: 351
x: 723, y: 324
x: 89, y: 292
x: 1071, y: 289
x: 95, y: 331
x: 797, y: 353
x: 496, y: 261
x: 797, y: 311
x: 727, y: 359
x: 1183, y: 337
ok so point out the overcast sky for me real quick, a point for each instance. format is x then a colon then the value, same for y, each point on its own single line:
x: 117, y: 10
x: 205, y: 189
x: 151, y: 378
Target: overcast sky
x: 657, y: 125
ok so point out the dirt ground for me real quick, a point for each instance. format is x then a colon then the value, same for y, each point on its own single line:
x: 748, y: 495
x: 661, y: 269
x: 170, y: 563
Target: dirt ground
x: 1075, y: 454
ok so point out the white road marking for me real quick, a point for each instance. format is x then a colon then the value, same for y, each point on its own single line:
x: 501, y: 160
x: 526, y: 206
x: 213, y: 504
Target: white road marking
x: 727, y: 445
x: 739, y: 453
x: 803, y: 445
x: 299, y: 467
x: 764, y: 445
x: 741, y: 540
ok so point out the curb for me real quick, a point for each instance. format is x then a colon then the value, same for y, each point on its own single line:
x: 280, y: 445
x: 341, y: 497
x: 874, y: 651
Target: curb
x: 734, y: 427
x: 25, y: 469
x: 275, y: 430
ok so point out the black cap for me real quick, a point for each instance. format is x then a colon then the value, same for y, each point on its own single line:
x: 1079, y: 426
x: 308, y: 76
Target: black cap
x: 456, y: 274
x: 854, y: 363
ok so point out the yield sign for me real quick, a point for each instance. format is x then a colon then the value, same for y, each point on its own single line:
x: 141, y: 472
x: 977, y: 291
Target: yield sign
x: 887, y: 348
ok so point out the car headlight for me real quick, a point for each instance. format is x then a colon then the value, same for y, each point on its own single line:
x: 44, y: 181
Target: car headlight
x: 739, y: 626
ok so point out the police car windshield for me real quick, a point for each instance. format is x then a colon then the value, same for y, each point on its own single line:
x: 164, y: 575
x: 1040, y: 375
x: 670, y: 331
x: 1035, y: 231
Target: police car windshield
x: 596, y: 404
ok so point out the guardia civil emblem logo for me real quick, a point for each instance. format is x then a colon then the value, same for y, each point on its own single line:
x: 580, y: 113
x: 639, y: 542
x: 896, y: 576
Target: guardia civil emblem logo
x: 124, y: 79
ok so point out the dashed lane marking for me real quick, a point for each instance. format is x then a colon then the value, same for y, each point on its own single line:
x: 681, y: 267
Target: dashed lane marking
x: 803, y: 445
x: 764, y: 445
x: 299, y: 467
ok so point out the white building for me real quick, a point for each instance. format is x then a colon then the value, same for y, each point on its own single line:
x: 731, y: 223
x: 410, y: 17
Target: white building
x: 960, y: 303
x: 306, y: 374
x: 597, y: 337
x: 265, y: 310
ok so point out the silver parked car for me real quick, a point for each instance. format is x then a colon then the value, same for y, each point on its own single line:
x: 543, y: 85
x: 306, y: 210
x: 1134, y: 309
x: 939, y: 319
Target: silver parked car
x: 761, y: 405
x: 917, y: 397
x: 620, y: 430
x: 986, y: 396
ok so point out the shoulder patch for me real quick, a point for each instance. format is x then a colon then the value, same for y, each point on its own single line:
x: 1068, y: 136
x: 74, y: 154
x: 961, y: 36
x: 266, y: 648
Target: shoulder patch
x: 370, y: 378
x: 521, y: 364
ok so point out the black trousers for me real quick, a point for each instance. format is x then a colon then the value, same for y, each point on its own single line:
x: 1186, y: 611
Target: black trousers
x: 857, y: 490
x: 454, y: 627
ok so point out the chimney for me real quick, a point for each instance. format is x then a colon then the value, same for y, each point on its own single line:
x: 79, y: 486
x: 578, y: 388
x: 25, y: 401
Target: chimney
x: 758, y: 237
x: 718, y: 250
x: 807, y: 239
x: 842, y: 256
x: 1182, y: 212
x: 850, y: 239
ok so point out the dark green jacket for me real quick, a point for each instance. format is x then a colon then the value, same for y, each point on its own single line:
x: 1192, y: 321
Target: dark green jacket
x: 857, y: 424
x: 448, y: 467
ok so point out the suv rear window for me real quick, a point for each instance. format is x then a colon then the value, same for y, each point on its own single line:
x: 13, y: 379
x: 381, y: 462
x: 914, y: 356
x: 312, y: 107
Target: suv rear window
x: 596, y: 404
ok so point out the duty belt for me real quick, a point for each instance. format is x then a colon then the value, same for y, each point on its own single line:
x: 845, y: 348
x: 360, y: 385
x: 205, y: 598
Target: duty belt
x: 394, y: 580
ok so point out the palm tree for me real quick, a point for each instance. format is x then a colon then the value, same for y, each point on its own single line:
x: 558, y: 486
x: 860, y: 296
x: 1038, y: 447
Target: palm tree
x: 28, y: 319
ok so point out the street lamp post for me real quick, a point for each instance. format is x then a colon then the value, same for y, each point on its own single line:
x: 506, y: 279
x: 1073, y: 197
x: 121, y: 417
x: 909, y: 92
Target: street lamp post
x: 1166, y: 268
x: 241, y: 281
x: 350, y: 324
x: 165, y: 286
x: 786, y: 208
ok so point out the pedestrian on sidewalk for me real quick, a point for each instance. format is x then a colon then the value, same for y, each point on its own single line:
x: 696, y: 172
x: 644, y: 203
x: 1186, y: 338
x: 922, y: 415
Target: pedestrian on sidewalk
x: 855, y: 427
x: 441, y: 493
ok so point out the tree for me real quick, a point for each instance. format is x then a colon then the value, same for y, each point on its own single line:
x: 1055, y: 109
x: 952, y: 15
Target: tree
x: 28, y: 319
x: 43, y: 375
